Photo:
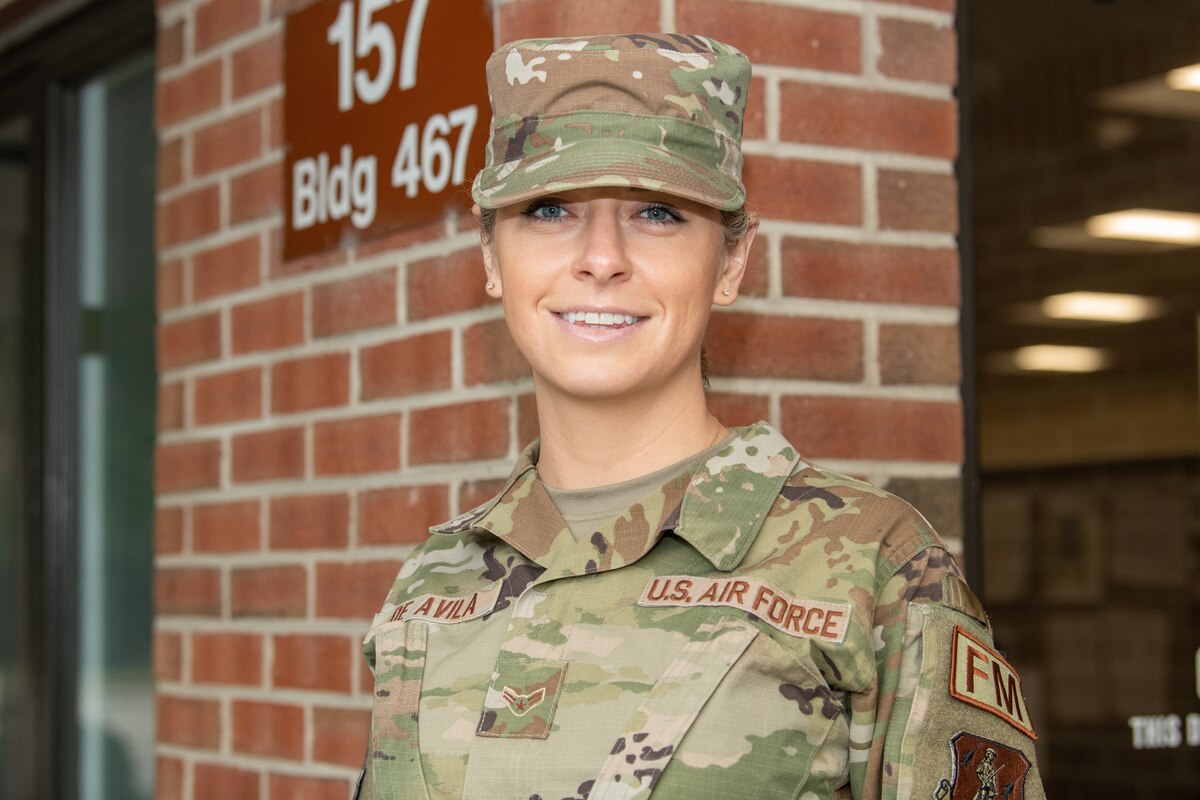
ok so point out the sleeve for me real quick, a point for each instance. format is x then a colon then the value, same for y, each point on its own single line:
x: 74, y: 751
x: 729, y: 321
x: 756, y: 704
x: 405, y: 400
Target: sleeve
x: 945, y: 718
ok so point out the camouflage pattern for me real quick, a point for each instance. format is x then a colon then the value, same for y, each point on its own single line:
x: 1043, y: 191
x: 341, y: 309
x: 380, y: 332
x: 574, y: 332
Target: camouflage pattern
x: 573, y: 685
x: 657, y: 111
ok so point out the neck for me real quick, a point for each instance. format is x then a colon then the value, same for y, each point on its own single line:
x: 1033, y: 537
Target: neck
x: 588, y: 443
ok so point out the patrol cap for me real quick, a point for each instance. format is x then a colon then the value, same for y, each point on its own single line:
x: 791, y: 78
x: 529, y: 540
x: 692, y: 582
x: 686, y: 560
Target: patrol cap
x: 658, y: 111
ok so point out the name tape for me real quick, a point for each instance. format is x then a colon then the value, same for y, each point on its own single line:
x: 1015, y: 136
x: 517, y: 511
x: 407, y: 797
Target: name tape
x: 808, y: 619
x: 449, y: 608
x: 980, y: 677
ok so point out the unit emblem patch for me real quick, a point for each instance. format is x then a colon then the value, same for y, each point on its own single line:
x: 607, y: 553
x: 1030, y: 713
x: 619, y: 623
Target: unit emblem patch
x: 980, y: 677
x: 522, y: 704
x: 983, y: 770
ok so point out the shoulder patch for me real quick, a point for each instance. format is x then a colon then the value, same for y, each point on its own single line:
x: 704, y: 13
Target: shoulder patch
x: 980, y: 677
x: 958, y: 596
x: 983, y: 769
x: 448, y: 608
x: 807, y: 619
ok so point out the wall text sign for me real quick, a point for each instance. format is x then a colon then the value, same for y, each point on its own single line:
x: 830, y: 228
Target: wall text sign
x: 385, y: 116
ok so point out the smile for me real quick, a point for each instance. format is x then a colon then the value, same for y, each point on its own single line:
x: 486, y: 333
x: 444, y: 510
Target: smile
x: 602, y: 318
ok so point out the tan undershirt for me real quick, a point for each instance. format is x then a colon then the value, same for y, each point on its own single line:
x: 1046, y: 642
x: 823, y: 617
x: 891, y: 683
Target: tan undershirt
x: 585, y: 509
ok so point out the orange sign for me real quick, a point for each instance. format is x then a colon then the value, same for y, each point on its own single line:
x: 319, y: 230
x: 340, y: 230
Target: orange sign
x: 385, y: 116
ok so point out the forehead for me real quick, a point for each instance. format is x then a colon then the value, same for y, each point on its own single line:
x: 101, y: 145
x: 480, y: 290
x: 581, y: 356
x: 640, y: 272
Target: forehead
x: 597, y: 195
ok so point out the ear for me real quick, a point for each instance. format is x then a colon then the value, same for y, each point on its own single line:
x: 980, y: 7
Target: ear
x: 734, y: 267
x: 490, y: 268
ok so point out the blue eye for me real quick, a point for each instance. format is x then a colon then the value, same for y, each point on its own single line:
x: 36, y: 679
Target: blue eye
x: 661, y: 214
x: 545, y: 209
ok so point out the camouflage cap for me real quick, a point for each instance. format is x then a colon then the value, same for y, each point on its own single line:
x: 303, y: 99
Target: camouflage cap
x: 657, y: 111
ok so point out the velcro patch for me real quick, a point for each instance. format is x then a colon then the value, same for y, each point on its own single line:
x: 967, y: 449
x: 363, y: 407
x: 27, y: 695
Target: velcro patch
x: 981, y: 677
x: 808, y: 619
x: 448, y: 608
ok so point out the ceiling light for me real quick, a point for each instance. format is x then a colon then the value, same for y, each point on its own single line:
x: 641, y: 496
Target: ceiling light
x: 1060, y: 358
x: 1146, y: 225
x: 1186, y: 79
x: 1102, y: 307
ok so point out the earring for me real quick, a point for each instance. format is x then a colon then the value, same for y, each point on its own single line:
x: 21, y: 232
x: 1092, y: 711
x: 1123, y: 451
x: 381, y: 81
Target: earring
x: 491, y: 285
x: 726, y: 291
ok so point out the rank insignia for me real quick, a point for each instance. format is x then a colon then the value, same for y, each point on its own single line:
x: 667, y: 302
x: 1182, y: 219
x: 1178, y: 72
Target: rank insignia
x: 983, y: 770
x: 522, y: 704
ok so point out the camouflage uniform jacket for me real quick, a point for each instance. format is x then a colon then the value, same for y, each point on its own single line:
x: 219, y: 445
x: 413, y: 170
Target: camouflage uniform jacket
x: 759, y: 628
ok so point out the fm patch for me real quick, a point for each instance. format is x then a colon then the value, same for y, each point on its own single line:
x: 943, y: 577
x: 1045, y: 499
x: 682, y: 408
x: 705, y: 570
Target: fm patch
x: 448, y: 608
x: 807, y: 619
x: 980, y: 677
x: 983, y: 770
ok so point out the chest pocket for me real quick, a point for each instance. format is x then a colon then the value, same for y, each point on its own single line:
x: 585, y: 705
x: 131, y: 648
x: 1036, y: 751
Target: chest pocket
x: 735, y: 716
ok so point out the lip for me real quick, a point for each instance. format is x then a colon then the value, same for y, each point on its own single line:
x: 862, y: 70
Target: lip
x: 598, y: 333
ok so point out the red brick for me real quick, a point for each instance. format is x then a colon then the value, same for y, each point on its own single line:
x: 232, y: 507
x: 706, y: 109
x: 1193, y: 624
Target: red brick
x: 310, y: 521
x: 170, y: 164
x: 227, y: 143
x: 226, y: 783
x: 226, y: 527
x: 275, y: 130
x: 340, y: 735
x: 843, y: 117
x: 810, y: 191
x: 296, y: 787
x: 227, y: 396
x: 278, y: 267
x: 919, y: 52
x: 869, y: 273
x: 188, y: 216
x: 355, y: 446
x: 168, y: 656
x: 168, y: 531
x: 489, y: 355
x: 189, y: 94
x: 923, y: 354
x: 534, y: 18
x: 270, y: 592
x: 447, y: 285
x: 354, y: 591
x: 852, y: 427
x: 315, y: 663
x: 233, y: 658
x: 218, y: 20
x: 170, y: 406
x: 188, y: 722
x: 528, y: 424
x: 769, y: 33
x: 401, y: 515
x: 406, y: 366
x: 918, y: 201
x: 367, y: 301
x: 189, y: 341
x: 168, y: 778
x: 226, y: 268
x: 269, y: 324
x: 187, y: 591
x: 463, y: 432
x: 187, y: 465
x: 168, y: 46
x: 280, y: 8
x: 941, y: 5
x: 272, y: 730
x: 739, y: 409
x: 168, y: 289
x: 759, y: 346
x: 269, y: 455
x: 257, y: 66
x: 304, y: 384
x: 256, y: 193
x: 475, y: 493
x: 754, y: 124
x: 402, y: 240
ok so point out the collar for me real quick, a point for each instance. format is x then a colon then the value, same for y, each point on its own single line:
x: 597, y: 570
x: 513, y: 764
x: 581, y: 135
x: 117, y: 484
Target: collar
x: 719, y: 511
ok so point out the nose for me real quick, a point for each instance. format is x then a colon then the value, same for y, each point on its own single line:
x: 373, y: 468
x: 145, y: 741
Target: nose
x: 602, y: 256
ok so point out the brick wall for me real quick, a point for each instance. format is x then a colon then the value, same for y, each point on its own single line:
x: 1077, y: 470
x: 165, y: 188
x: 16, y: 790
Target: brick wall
x: 306, y: 406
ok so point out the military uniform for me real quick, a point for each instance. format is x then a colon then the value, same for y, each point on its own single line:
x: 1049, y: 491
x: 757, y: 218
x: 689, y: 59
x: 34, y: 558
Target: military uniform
x: 758, y: 628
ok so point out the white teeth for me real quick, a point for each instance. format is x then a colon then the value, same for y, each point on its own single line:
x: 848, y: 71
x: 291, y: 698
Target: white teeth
x: 598, y: 318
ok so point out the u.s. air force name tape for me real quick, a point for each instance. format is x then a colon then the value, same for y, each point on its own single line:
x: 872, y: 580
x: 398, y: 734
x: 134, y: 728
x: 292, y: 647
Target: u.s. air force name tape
x: 980, y: 677
x: 810, y: 619
x: 448, y: 608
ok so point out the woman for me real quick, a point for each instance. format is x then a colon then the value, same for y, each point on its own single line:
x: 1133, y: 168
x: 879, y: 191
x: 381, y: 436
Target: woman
x: 656, y: 605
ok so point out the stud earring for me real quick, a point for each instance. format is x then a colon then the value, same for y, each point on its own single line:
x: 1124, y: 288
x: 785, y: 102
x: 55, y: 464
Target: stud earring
x: 491, y: 285
x: 726, y: 291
